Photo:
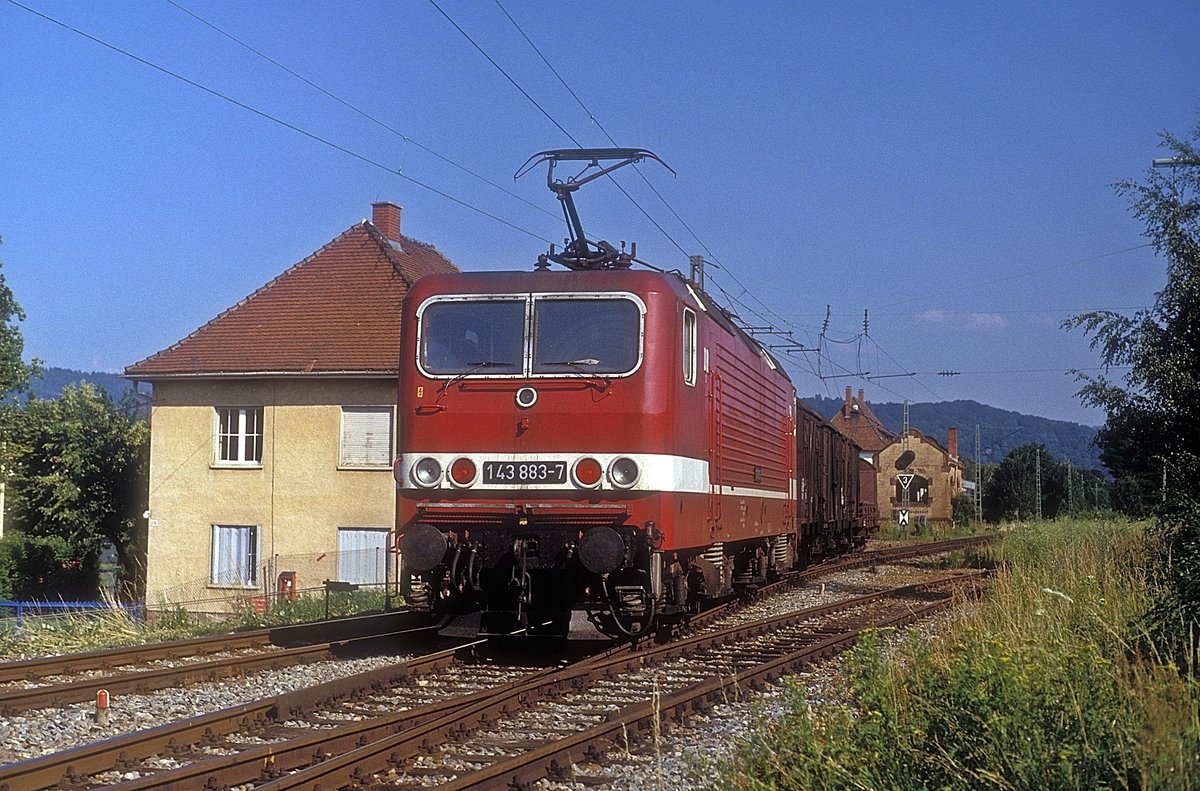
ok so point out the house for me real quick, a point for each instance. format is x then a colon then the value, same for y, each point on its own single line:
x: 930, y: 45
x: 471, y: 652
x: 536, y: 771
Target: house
x: 273, y: 427
x: 856, y: 420
x: 917, y: 477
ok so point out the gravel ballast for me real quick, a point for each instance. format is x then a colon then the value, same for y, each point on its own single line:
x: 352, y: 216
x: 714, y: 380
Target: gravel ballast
x: 680, y: 755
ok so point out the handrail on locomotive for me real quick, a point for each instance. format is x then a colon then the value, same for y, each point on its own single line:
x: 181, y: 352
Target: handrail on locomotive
x: 581, y: 252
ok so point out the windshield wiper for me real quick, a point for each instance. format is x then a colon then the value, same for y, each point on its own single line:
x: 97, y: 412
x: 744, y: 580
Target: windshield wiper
x: 575, y: 363
x: 475, y: 367
x: 582, y: 368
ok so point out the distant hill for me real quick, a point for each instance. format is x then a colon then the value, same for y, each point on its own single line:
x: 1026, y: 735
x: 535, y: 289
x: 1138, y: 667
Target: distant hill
x: 999, y: 429
x: 53, y: 380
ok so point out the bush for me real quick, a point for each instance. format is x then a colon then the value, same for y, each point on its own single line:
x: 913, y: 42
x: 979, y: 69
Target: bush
x: 304, y: 609
x: 1039, y: 687
x: 45, y: 568
x: 964, y: 509
x: 1174, y: 621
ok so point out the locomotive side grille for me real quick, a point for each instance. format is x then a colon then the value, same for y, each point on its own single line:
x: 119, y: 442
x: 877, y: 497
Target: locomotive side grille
x: 751, y: 400
x: 533, y: 515
x: 464, y: 518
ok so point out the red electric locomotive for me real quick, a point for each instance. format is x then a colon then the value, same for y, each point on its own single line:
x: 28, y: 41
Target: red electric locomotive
x: 584, y: 452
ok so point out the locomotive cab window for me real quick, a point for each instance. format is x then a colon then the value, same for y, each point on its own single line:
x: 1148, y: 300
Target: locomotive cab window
x: 463, y: 337
x: 689, y: 346
x: 576, y: 335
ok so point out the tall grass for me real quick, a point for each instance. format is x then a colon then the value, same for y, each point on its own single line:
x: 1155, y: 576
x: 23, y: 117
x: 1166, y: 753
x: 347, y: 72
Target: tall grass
x: 1046, y: 684
x: 114, y: 627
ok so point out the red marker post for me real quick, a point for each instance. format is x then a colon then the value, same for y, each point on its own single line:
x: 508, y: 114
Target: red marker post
x: 102, y: 707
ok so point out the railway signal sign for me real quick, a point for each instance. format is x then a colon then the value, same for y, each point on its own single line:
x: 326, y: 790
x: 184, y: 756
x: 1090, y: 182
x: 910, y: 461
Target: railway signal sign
x: 905, y: 480
x: 902, y: 518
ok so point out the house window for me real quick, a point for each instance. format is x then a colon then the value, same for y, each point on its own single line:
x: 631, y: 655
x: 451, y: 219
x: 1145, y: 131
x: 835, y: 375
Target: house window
x: 362, y: 555
x: 366, y: 437
x: 689, y: 347
x: 917, y: 487
x: 234, y: 556
x: 240, y: 435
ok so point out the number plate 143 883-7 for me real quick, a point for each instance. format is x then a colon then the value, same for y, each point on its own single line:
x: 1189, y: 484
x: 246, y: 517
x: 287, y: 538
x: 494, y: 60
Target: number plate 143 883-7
x: 501, y: 472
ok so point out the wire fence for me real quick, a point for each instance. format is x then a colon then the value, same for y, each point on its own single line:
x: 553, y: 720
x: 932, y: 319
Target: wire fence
x: 281, y: 578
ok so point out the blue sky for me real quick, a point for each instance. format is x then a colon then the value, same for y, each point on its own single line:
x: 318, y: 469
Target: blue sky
x: 944, y: 166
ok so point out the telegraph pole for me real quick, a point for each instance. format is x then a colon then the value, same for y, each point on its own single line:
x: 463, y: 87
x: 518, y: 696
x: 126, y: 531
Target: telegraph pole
x: 904, y: 498
x: 1038, y: 477
x: 1070, y: 489
x: 697, y: 262
x: 978, y: 480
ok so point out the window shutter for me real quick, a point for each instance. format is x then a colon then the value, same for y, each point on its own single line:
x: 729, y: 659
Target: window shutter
x: 362, y: 555
x: 366, y: 437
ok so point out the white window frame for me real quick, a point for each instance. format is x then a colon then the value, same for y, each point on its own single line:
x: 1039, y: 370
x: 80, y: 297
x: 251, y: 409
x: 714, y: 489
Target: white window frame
x: 530, y: 299
x: 252, y: 560
x: 385, y: 462
x: 689, y: 347
x: 242, y: 415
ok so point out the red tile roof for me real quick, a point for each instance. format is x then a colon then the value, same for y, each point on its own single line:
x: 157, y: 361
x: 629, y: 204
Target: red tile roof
x: 337, y: 311
x: 856, y: 420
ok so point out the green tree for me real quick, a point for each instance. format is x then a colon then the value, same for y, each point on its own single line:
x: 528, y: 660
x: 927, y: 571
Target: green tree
x: 1011, y: 491
x: 1154, y: 413
x: 14, y: 373
x: 78, y: 473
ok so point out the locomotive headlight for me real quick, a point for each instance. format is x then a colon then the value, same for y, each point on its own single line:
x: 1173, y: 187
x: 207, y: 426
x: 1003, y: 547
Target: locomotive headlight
x: 462, y: 471
x: 587, y: 472
x: 427, y: 472
x: 623, y: 472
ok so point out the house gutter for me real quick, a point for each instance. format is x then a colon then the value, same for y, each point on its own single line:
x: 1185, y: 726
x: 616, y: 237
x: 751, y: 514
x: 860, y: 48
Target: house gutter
x: 151, y: 377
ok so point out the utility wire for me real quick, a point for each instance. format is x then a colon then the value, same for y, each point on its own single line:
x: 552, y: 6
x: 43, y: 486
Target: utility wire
x: 1069, y: 311
x: 1025, y: 371
x: 592, y: 117
x: 507, y: 76
x: 776, y: 318
x: 276, y: 120
x: 373, y: 119
x: 901, y: 367
x: 773, y: 318
x: 1021, y: 274
x: 552, y: 119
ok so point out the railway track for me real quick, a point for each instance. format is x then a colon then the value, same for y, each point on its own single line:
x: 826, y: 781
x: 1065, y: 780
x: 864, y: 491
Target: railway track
x: 540, y: 727
x: 72, y: 678
x: 273, y: 740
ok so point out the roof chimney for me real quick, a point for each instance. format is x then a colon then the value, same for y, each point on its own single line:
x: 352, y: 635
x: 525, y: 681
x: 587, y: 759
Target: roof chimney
x: 861, y: 399
x: 952, y: 442
x: 846, y: 407
x: 385, y: 217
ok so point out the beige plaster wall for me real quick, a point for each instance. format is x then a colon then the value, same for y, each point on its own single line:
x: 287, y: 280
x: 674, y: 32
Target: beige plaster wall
x: 298, y: 497
x: 932, y: 463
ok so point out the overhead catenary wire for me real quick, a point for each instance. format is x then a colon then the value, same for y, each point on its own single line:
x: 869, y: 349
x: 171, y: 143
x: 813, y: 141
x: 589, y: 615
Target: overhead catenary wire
x: 734, y: 300
x: 554, y: 120
x: 1020, y: 274
x: 396, y: 171
x: 592, y: 117
x: 507, y: 76
x: 276, y: 120
x: 356, y: 109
